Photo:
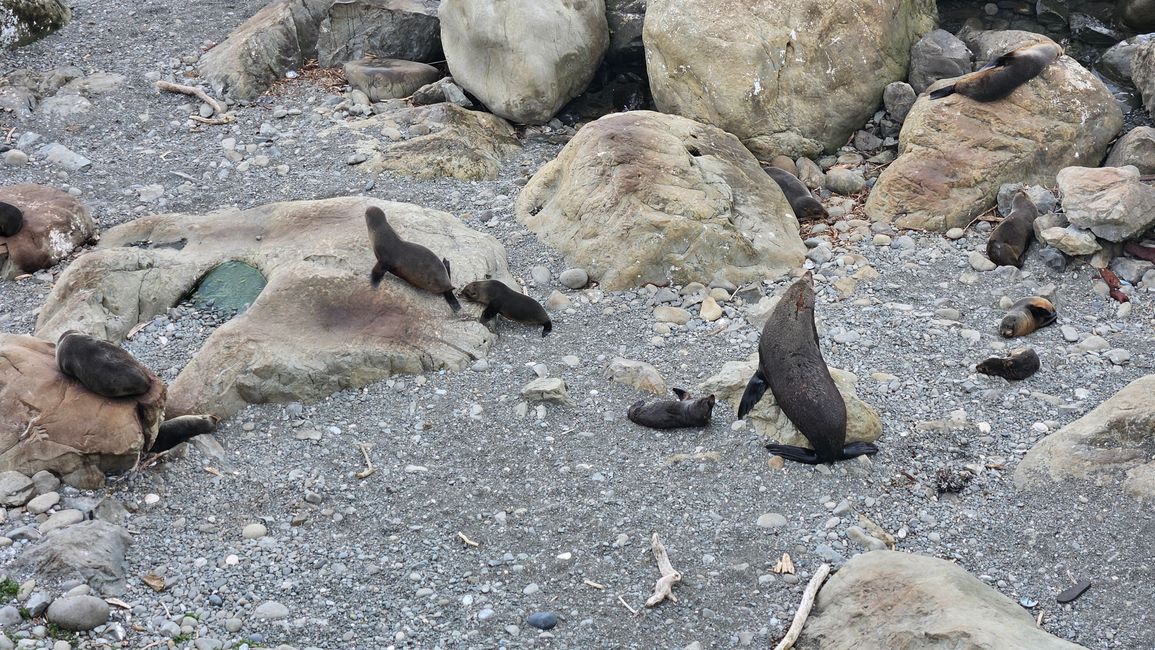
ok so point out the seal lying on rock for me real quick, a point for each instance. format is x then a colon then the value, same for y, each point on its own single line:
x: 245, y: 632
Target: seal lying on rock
x: 514, y: 305
x: 11, y: 219
x: 672, y: 414
x: 805, y: 206
x: 1007, y: 245
x: 1026, y: 316
x: 1003, y: 74
x: 1019, y: 364
x: 102, y: 367
x: 790, y: 363
x: 411, y: 262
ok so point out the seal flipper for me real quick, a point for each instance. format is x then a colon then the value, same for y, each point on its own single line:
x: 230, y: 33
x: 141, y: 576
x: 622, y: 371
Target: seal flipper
x: 452, y: 300
x: 445, y: 261
x: 682, y: 395
x: 942, y: 92
x: 755, y: 389
x: 855, y: 449
x: 546, y: 328
x: 1043, y: 316
x: 376, y: 275
x: 796, y: 454
x: 489, y: 313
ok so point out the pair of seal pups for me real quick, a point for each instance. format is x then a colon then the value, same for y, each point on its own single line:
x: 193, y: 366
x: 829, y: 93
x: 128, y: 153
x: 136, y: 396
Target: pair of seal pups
x: 790, y: 364
x: 999, y: 77
x: 11, y: 219
x: 411, y: 262
x: 1007, y: 245
x: 802, y: 202
x: 1026, y: 316
x: 686, y: 411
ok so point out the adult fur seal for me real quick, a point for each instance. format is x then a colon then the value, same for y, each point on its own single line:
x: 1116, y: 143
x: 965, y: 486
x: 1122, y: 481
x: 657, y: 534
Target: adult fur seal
x: 1019, y: 364
x: 805, y: 206
x: 1009, y: 240
x: 11, y: 219
x: 1026, y: 316
x: 102, y: 367
x: 411, y: 262
x: 672, y: 414
x: 790, y: 363
x: 1002, y: 74
x: 514, y: 305
x: 179, y: 429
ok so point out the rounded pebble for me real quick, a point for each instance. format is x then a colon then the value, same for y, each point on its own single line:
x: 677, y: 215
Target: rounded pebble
x: 542, y: 620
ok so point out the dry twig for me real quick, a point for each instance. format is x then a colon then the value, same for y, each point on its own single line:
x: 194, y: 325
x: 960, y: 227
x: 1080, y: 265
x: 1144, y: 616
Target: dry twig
x: 669, y: 578
x: 804, y: 608
x: 214, y: 121
x: 219, y: 107
x: 369, y: 469
x: 627, y: 605
x: 595, y: 585
x: 466, y: 539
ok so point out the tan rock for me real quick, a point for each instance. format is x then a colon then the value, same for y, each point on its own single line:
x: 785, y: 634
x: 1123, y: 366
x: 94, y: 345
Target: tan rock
x: 1143, y: 73
x: 1109, y: 201
x: 638, y: 374
x: 382, y: 79
x: 55, y: 223
x: 667, y: 314
x: 710, y: 311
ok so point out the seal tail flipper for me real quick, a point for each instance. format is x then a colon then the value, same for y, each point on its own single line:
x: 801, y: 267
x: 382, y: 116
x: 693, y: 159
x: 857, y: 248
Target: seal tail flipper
x: 452, y: 300
x: 682, y: 395
x: 376, y: 274
x: 755, y: 389
x: 546, y: 328
x: 855, y: 449
x: 445, y: 261
x: 942, y: 92
x: 796, y: 454
x: 1042, y: 315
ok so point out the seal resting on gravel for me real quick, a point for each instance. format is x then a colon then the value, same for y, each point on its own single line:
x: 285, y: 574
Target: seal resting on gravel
x: 999, y: 77
x: 176, y: 430
x: 1007, y: 245
x: 1026, y: 316
x: 411, y: 262
x: 686, y: 411
x: 11, y: 219
x: 514, y: 305
x: 802, y: 202
x: 790, y: 364
x: 1019, y: 364
x: 102, y: 367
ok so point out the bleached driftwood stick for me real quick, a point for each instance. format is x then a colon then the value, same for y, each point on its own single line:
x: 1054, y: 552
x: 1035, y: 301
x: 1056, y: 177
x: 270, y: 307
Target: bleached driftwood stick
x: 669, y: 576
x: 218, y: 107
x: 804, y: 608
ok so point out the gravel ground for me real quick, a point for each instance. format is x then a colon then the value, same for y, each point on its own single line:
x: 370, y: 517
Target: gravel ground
x: 561, y: 500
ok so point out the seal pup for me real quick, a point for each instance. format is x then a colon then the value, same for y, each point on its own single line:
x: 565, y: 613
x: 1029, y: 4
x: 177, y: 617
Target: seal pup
x: 1007, y: 245
x: 1002, y: 74
x: 686, y: 411
x: 11, y: 219
x: 102, y: 367
x: 803, y: 203
x: 790, y: 364
x: 176, y: 430
x: 514, y: 305
x: 411, y: 262
x: 1026, y: 316
x: 1019, y: 364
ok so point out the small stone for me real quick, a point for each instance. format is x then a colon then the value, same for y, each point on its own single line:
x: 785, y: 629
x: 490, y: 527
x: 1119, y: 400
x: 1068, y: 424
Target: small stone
x: 151, y: 499
x: 955, y: 233
x: 78, y: 613
x: 254, y: 531
x: 1118, y: 356
x: 845, y: 181
x: 771, y: 520
x: 15, y: 158
x: 546, y: 389
x: 666, y: 314
x: 710, y: 311
x: 45, y: 482
x: 43, y: 503
x: 882, y: 240
x: 558, y: 300
x: 542, y: 620
x: 271, y: 610
x: 979, y: 261
x: 1093, y: 343
x: 531, y: 589
x: 540, y: 275
x: 485, y: 614
x: 574, y: 278
x: 15, y: 489
x: 1070, y: 334
x: 233, y: 625
x: 9, y: 615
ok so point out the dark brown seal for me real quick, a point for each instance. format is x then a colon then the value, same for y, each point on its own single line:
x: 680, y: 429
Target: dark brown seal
x: 686, y: 411
x: 514, y: 305
x: 790, y: 363
x: 805, y: 206
x: 999, y: 77
x: 11, y: 219
x: 102, y: 367
x: 411, y: 262
x: 1019, y: 364
x: 1007, y: 245
x: 1026, y: 316
x: 176, y: 430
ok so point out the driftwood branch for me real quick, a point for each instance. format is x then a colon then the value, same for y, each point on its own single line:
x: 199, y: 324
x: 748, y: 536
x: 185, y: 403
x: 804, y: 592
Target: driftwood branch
x: 669, y: 578
x: 369, y: 469
x: 219, y: 107
x: 803, y: 612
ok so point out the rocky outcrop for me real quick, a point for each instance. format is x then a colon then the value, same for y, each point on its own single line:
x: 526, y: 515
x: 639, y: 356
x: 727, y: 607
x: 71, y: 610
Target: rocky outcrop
x: 1118, y: 437
x: 955, y: 152
x: 55, y: 223
x: 625, y: 18
x: 317, y: 327
x: 524, y: 61
x: 1143, y: 73
x: 901, y: 601
x: 1109, y: 201
x: 390, y: 29
x: 435, y: 141
x: 786, y: 76
x: 24, y: 21
x: 71, y: 431
x: 1136, y: 148
x: 642, y: 197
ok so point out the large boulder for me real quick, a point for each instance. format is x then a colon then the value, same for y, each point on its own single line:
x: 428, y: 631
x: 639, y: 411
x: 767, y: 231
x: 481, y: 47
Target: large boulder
x: 50, y: 421
x: 1109, y: 201
x: 938, y: 55
x: 955, y: 153
x: 1115, y: 63
x: 524, y: 61
x: 1117, y: 437
x: 625, y: 18
x: 642, y: 197
x: 901, y: 601
x: 317, y: 327
x: 1138, y: 14
x: 55, y: 223
x: 390, y: 29
x: 787, y: 77
x: 1143, y: 73
x: 24, y: 21
x: 92, y: 552
x: 1136, y: 148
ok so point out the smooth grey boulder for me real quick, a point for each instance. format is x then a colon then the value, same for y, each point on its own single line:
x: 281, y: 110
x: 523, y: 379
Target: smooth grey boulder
x: 24, y: 21
x: 1115, y: 63
x: 1139, y: 15
x: 390, y: 29
x: 382, y: 79
x: 1136, y: 148
x: 938, y: 55
x: 1109, y: 201
x: 78, y: 613
x: 92, y: 552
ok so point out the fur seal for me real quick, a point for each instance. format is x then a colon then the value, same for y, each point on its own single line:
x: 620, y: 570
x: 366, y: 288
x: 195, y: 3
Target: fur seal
x: 411, y: 262
x: 1019, y: 364
x: 803, y: 203
x: 1002, y: 74
x: 1026, y: 316
x: 514, y: 305
x: 1007, y: 245
x: 179, y: 429
x: 790, y: 364
x: 672, y: 414
x: 102, y: 367
x: 11, y: 219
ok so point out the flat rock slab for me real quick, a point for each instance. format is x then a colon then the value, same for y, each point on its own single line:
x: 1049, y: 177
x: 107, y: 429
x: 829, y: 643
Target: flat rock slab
x: 1117, y: 437
x: 316, y: 328
x: 901, y: 601
x: 55, y: 223
x: 71, y: 431
x: 382, y: 79
x: 641, y: 197
x: 92, y: 552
